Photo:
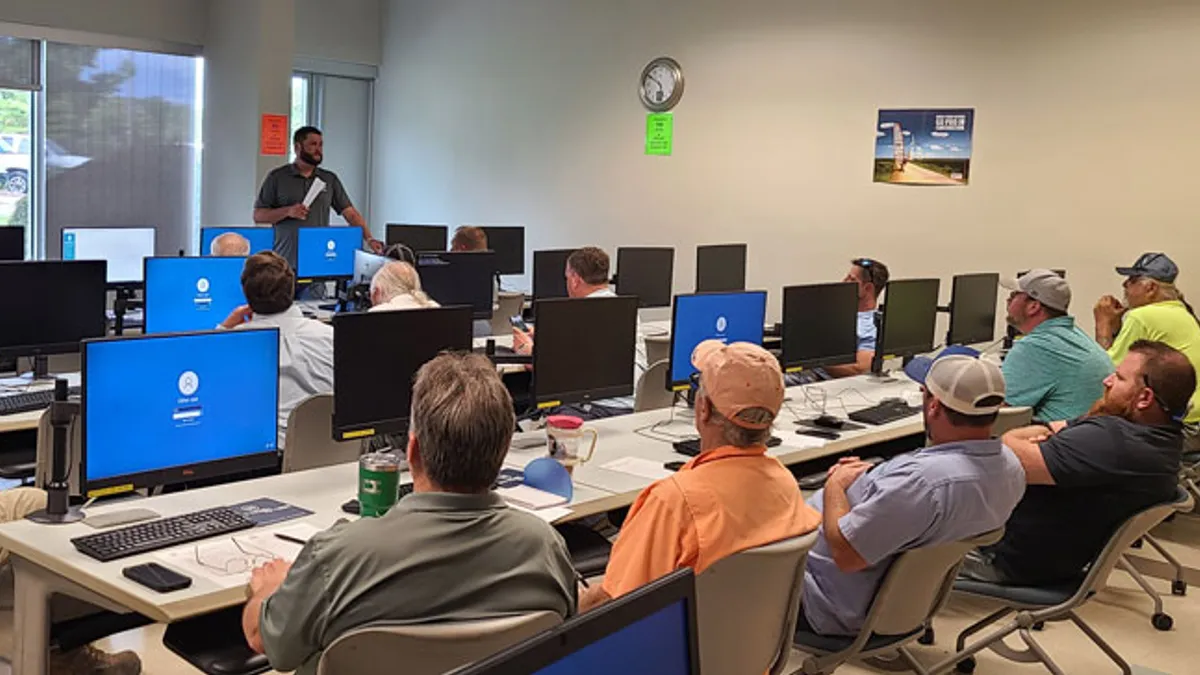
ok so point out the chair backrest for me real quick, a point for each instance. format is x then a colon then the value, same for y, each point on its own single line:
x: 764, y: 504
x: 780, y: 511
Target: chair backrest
x: 1136, y: 527
x: 651, y: 391
x: 507, y: 305
x: 658, y: 348
x: 1012, y: 418
x: 429, y: 649
x: 747, y: 606
x: 45, y: 449
x: 309, y: 441
x: 917, y: 584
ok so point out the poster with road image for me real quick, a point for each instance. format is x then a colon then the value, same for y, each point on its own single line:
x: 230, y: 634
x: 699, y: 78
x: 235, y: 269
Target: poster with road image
x: 924, y: 147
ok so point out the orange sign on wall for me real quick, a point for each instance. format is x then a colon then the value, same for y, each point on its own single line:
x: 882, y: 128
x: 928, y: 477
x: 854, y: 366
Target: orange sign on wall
x: 274, y: 135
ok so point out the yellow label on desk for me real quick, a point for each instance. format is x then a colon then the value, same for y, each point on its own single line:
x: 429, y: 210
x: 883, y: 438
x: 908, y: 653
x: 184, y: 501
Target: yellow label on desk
x: 351, y: 435
x: 548, y: 404
x: 114, y: 490
x: 681, y: 387
x: 794, y: 370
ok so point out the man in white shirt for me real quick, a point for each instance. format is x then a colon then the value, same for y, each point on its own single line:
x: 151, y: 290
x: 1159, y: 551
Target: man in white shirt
x: 397, y: 286
x: 305, y: 345
x: 230, y: 245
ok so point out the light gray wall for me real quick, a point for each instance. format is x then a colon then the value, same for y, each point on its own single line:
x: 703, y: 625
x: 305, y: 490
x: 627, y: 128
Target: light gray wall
x: 525, y: 111
x: 339, y: 30
x: 180, y: 21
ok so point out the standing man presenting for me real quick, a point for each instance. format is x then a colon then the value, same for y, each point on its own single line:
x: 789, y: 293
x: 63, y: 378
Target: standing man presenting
x: 281, y: 199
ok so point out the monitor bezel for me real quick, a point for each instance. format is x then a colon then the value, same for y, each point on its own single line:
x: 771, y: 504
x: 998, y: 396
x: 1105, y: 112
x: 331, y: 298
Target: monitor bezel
x: 54, y: 348
x: 308, y: 280
x: 177, y: 474
x: 745, y: 250
x: 905, y: 351
x: 541, y: 400
x: 954, y: 314
x: 444, y: 230
x: 146, y: 287
x: 509, y: 271
x: 561, y: 272
x: 479, y: 314
x: 128, y: 284
x: 552, y: 645
x: 642, y: 303
x: 797, y: 365
x: 684, y: 385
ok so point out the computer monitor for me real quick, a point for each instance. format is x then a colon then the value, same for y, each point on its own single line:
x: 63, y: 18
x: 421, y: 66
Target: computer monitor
x: 165, y: 409
x: 550, y: 273
x: 584, y: 350
x: 820, y: 325
x: 909, y: 319
x: 376, y: 355
x: 467, y: 278
x: 509, y: 245
x: 646, y: 273
x: 721, y: 268
x: 973, y: 309
x: 190, y: 294
x: 728, y: 317
x: 123, y: 248
x: 419, y: 237
x: 50, y: 306
x: 324, y: 253
x: 12, y: 243
x: 260, y: 238
x: 367, y: 265
x: 650, y: 630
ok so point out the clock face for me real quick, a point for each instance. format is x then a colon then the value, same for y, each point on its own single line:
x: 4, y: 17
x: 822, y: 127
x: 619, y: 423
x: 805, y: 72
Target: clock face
x: 661, y: 85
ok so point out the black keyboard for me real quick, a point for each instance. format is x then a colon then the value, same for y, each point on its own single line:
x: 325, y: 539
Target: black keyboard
x: 29, y: 401
x: 691, y: 447
x: 162, y: 533
x: 885, y: 412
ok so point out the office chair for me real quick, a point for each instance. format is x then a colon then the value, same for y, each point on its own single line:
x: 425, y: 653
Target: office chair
x: 309, y: 442
x: 651, y: 392
x: 658, y: 348
x: 1037, y: 604
x: 1012, y: 418
x: 746, y: 607
x: 913, y: 591
x: 508, y: 305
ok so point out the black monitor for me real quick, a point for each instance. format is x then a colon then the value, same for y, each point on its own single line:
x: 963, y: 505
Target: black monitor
x: 720, y: 268
x: 550, y: 273
x: 419, y: 237
x: 820, y: 325
x: 646, y: 273
x: 584, y: 349
x: 509, y: 245
x: 909, y: 320
x: 123, y: 248
x: 170, y: 408
x: 728, y: 317
x: 973, y: 309
x: 650, y: 631
x: 12, y: 243
x: 49, y: 307
x: 465, y: 278
x: 376, y: 355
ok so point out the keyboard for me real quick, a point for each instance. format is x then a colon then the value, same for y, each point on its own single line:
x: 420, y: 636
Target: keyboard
x: 691, y: 447
x: 887, y: 411
x: 29, y: 401
x: 162, y: 533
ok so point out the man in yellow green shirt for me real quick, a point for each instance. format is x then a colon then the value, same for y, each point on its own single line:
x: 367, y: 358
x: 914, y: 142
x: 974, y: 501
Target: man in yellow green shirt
x: 1154, y: 309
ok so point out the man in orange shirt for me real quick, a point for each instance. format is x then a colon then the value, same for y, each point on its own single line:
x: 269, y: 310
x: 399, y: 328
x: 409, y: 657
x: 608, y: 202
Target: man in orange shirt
x: 729, y: 498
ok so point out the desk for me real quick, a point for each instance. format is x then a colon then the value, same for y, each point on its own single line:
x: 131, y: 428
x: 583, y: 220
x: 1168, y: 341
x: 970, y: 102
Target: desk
x: 25, y: 421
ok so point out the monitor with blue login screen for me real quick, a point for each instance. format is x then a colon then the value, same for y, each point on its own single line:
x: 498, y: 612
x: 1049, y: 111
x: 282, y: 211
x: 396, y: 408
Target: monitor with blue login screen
x: 327, y: 252
x: 260, y: 238
x: 187, y: 294
x: 728, y: 317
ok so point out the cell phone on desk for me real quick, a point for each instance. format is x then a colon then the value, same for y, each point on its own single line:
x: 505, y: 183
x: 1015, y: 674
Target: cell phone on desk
x: 519, y: 323
x: 156, y: 577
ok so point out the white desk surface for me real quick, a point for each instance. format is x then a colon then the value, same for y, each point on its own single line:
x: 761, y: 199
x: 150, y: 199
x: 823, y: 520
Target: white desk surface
x: 28, y: 420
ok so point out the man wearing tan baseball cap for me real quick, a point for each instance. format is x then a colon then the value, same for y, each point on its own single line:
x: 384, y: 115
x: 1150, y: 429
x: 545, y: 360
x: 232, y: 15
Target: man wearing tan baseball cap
x: 730, y: 497
x: 964, y: 485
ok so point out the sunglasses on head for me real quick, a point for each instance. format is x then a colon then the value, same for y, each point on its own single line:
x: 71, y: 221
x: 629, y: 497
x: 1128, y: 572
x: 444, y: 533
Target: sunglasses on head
x: 1176, y: 416
x: 870, y: 267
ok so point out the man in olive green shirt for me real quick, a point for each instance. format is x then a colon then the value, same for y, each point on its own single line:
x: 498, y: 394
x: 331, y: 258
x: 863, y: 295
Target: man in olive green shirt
x: 1155, y: 310
x: 450, y: 551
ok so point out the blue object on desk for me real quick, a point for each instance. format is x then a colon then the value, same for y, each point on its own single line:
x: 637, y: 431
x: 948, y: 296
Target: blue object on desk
x: 186, y: 294
x: 266, y: 511
x: 548, y: 475
x: 327, y: 252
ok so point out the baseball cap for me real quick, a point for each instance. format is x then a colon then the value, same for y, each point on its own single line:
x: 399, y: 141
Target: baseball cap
x: 739, y: 376
x: 961, y: 380
x: 1153, y: 265
x: 1044, y: 286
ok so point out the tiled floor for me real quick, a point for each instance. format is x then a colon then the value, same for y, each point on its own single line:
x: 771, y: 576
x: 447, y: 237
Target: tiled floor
x: 1121, y: 614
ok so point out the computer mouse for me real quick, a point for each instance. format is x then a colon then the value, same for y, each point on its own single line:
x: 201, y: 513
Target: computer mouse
x: 673, y: 466
x: 774, y: 441
x: 352, y: 507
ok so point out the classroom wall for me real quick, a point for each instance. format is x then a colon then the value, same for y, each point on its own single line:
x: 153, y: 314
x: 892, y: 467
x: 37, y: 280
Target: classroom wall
x: 526, y: 111
x: 179, y: 21
x: 343, y: 30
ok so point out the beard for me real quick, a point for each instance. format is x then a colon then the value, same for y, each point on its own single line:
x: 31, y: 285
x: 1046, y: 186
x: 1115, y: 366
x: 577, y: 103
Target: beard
x: 1109, y: 407
x: 311, y: 160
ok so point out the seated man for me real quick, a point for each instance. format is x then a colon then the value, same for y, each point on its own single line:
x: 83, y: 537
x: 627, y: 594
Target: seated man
x: 729, y: 498
x: 397, y: 286
x: 962, y: 486
x: 468, y: 238
x: 305, y: 345
x: 871, y: 276
x: 451, y: 551
x: 1056, y: 369
x: 230, y: 245
x: 1088, y: 476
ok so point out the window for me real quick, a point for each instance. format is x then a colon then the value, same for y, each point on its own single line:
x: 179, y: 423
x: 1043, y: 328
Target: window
x: 300, y: 106
x: 19, y: 77
x: 341, y: 107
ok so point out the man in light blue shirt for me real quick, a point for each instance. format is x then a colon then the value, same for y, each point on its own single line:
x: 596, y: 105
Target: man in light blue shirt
x: 961, y: 487
x: 1056, y: 369
x: 871, y: 276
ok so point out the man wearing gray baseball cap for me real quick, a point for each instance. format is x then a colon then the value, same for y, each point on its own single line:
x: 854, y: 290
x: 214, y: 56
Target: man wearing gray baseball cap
x: 1056, y: 369
x: 965, y: 484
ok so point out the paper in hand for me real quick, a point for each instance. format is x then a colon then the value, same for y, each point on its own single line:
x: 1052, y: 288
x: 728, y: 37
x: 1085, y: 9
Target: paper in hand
x: 317, y: 187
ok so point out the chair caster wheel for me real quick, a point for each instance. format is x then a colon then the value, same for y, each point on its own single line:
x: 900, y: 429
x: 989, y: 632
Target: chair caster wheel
x: 927, y: 637
x: 1136, y: 544
x: 1178, y: 587
x: 967, y: 665
x: 1039, y: 626
x: 1162, y: 621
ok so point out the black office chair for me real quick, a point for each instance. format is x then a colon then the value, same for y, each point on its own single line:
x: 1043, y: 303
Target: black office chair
x: 214, y: 644
x: 588, y: 548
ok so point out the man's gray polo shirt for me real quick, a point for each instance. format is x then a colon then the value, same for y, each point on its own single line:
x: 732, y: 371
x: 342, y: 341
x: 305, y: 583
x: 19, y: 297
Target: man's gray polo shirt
x: 434, y: 557
x: 286, y: 186
x: 933, y: 496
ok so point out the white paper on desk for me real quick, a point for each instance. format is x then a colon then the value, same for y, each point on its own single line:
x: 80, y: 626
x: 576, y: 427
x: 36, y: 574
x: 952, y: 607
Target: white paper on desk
x: 550, y: 515
x: 530, y: 497
x: 802, y: 442
x: 318, y: 186
x: 228, y: 561
x: 636, y: 466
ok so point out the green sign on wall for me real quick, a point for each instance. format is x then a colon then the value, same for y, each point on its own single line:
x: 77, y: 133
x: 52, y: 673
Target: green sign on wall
x: 660, y: 134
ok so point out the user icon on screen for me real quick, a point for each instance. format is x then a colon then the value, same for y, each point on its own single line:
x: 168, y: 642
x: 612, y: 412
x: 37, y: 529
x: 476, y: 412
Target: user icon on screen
x: 189, y: 383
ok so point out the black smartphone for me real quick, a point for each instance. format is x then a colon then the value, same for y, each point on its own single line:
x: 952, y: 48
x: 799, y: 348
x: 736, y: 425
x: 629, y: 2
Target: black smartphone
x: 519, y: 323
x: 156, y: 577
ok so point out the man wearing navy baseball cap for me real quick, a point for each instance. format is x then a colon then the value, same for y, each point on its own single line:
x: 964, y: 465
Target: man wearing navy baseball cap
x: 964, y: 485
